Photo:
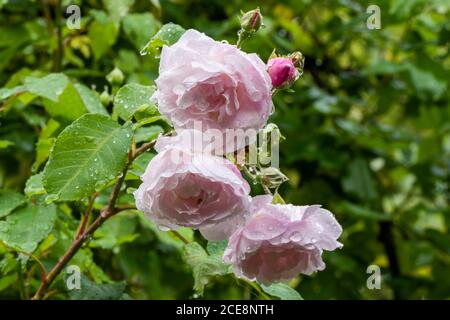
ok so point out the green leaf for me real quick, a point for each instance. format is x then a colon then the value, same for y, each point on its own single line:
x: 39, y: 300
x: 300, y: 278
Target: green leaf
x: 216, y: 247
x: 148, y: 133
x: 50, y: 86
x: 118, y: 8
x: 69, y: 104
x: 8, y: 92
x: 92, y: 291
x: 204, y: 267
x: 362, y: 212
x: 9, y: 200
x: 282, y: 291
x: 164, y: 236
x: 167, y: 35
x: 359, y: 181
x: 103, y: 34
x: 86, y: 155
x: 27, y: 226
x: 34, y: 185
x: 131, y: 98
x: 140, y: 164
x: 116, y: 231
x: 90, y: 99
x: 5, y: 144
x: 62, y: 98
x: 43, y: 147
x: 139, y: 27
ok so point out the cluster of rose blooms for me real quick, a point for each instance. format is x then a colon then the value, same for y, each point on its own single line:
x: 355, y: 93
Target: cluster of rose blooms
x: 185, y: 186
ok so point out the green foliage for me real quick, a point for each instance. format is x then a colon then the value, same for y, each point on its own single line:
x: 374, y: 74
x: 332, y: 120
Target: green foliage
x: 27, y: 226
x: 92, y: 291
x: 367, y: 137
x: 167, y: 35
x: 203, y: 266
x: 9, y: 200
x: 87, y: 154
x: 282, y: 291
x: 132, y: 98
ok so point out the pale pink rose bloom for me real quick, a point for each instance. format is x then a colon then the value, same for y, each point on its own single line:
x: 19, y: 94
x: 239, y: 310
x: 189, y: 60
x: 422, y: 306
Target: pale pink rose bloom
x: 282, y: 72
x: 280, y: 241
x: 184, y: 187
x: 215, y: 83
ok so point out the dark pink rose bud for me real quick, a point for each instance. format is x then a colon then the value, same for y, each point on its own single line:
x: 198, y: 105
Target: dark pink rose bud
x: 282, y: 72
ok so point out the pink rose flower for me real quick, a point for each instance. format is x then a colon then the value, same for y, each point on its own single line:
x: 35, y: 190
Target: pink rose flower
x: 184, y: 187
x: 214, y: 83
x: 282, y: 72
x: 280, y: 241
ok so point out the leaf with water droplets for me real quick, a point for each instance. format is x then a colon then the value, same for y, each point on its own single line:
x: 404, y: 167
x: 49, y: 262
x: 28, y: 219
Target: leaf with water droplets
x: 167, y: 35
x: 27, y: 226
x: 9, y: 200
x: 203, y: 265
x: 131, y: 98
x: 93, y: 148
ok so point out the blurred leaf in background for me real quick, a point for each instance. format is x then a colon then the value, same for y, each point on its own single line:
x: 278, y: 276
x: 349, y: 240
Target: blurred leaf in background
x: 367, y: 136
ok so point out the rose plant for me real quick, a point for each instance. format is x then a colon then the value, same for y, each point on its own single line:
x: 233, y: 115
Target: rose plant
x: 207, y: 93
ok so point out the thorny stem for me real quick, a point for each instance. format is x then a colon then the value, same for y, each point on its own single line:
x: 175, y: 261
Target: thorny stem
x: 106, y: 213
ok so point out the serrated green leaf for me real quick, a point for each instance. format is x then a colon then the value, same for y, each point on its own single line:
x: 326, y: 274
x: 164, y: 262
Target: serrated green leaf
x: 90, y: 99
x: 132, y: 97
x: 27, y: 226
x: 282, y: 291
x: 167, y: 35
x: 93, y: 291
x: 9, y: 200
x: 204, y: 267
x: 87, y: 153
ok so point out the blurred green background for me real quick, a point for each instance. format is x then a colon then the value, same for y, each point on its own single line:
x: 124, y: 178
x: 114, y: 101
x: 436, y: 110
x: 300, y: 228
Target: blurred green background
x: 367, y: 136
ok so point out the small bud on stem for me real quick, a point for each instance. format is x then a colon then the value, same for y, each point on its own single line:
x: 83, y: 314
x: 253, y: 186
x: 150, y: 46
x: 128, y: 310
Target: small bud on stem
x: 251, y: 22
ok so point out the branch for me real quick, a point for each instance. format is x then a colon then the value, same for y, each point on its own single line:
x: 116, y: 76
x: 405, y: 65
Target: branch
x: 85, y: 219
x: 179, y: 236
x: 106, y: 213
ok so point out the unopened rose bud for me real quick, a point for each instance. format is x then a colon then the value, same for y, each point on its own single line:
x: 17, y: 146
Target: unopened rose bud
x: 251, y: 21
x: 105, y: 98
x: 282, y: 71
